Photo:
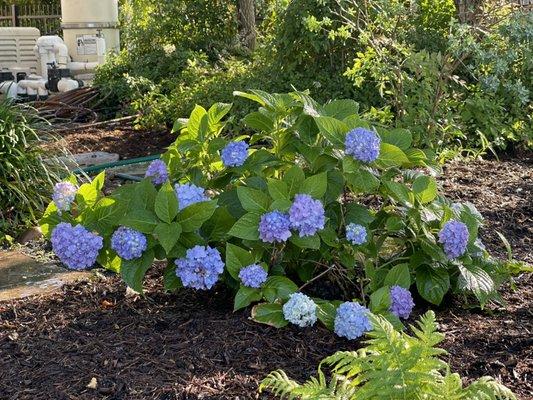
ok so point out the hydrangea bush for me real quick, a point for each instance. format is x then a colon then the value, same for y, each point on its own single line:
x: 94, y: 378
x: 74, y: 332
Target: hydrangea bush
x: 315, y: 192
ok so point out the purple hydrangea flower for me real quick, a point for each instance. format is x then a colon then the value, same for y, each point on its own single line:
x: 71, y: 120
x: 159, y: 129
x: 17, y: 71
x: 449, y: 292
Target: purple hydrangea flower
x: 401, y: 302
x: 454, y: 238
x: 75, y: 246
x: 352, y: 320
x: 128, y: 243
x: 157, y: 170
x: 234, y: 154
x: 189, y: 193
x: 307, y: 215
x: 362, y: 144
x: 300, y: 310
x: 64, y: 194
x: 274, y: 227
x: 253, y: 276
x: 356, y: 234
x: 200, y: 268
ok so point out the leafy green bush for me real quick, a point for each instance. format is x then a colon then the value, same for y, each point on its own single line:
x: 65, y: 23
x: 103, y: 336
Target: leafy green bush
x: 392, y: 365
x: 300, y: 150
x: 25, y: 178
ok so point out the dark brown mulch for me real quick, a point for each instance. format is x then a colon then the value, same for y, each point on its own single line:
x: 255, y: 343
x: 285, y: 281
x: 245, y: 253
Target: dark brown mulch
x: 191, y: 346
x: 124, y: 140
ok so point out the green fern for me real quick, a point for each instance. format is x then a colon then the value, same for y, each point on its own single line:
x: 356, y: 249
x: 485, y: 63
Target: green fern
x: 394, y: 366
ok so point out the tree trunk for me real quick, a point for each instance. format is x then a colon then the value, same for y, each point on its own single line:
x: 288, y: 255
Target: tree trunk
x: 247, y: 32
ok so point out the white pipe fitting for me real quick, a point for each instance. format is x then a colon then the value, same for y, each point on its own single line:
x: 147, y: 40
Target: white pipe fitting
x: 66, y: 84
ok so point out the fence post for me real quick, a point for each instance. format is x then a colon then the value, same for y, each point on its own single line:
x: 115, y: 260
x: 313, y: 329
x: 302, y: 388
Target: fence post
x: 14, y: 15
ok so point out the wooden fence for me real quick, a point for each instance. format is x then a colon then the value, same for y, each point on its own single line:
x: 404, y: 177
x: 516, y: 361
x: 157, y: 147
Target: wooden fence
x: 45, y: 17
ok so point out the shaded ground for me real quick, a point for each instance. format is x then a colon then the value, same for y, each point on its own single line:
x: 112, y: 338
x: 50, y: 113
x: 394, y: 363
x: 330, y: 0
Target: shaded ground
x: 191, y: 346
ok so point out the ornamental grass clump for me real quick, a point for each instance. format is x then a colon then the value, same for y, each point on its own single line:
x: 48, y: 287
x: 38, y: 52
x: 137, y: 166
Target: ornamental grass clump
x: 275, y: 215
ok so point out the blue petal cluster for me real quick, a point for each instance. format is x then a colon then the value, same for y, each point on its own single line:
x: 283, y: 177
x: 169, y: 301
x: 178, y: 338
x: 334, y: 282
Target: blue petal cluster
x: 300, y: 310
x: 274, y: 226
x: 157, y: 171
x: 307, y: 215
x: 454, y: 238
x: 356, y: 234
x: 75, y: 246
x: 188, y: 194
x: 362, y: 144
x: 234, y: 154
x: 401, y: 302
x: 128, y: 243
x: 200, y: 268
x: 352, y: 320
x: 63, y: 196
x: 253, y: 276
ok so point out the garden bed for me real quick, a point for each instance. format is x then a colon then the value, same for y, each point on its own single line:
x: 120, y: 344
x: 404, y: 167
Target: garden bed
x: 190, y: 345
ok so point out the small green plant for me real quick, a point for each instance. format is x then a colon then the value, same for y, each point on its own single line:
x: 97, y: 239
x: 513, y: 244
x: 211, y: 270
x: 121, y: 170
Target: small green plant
x: 25, y: 178
x: 392, y: 365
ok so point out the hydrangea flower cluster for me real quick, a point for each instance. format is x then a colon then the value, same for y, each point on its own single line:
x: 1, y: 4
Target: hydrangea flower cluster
x: 362, y: 144
x: 401, y: 302
x: 234, y: 154
x: 188, y: 194
x: 454, y: 237
x: 128, y: 243
x: 253, y: 276
x: 307, y: 215
x: 356, y: 234
x: 64, y: 194
x: 274, y: 226
x: 352, y: 320
x: 300, y: 310
x: 157, y: 171
x: 200, y: 268
x: 75, y: 246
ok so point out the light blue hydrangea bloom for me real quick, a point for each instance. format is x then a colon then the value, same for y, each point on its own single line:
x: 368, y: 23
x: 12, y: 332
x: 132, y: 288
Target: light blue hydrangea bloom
x: 157, y: 171
x: 274, y: 226
x: 307, y: 215
x: 362, y: 144
x: 253, y: 276
x: 356, y: 234
x: 188, y: 194
x: 454, y: 238
x: 63, y: 196
x: 75, y: 246
x: 128, y: 243
x: 200, y: 268
x: 401, y: 302
x: 234, y: 154
x: 300, y: 310
x: 352, y: 320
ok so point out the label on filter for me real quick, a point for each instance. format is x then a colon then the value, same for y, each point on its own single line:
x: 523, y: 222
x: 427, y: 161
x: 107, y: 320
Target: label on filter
x: 86, y: 45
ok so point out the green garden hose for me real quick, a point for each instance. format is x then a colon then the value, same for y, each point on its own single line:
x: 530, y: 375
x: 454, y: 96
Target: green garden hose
x: 93, y: 169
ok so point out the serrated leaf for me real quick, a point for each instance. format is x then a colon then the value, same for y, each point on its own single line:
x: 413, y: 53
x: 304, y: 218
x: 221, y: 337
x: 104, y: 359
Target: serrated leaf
x: 294, y: 178
x: 391, y: 156
x: 432, y: 283
x: 253, y: 200
x: 216, y: 228
x: 398, y: 137
x: 278, y: 190
x: 144, y: 221
x: 399, y: 275
x: 333, y: 130
x: 166, y: 203
x: 278, y: 288
x: 167, y: 234
x: 192, y: 217
x: 246, y: 296
x: 170, y: 279
x: 315, y: 185
x: 475, y: 279
x: 236, y: 259
x: 269, y: 314
x: 306, y: 242
x: 133, y: 271
x: 259, y: 121
x: 425, y: 188
x: 247, y: 227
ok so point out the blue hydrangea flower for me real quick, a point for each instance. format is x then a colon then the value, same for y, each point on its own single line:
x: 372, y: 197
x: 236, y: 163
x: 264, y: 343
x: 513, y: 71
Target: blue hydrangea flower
x: 274, y: 226
x: 234, y: 154
x: 356, y: 234
x: 253, y: 276
x: 362, y: 144
x: 128, y: 243
x: 75, y: 246
x: 188, y: 194
x: 300, y: 310
x: 352, y: 320
x: 64, y: 194
x: 454, y: 238
x: 157, y: 171
x: 307, y: 215
x: 401, y: 302
x: 200, y: 268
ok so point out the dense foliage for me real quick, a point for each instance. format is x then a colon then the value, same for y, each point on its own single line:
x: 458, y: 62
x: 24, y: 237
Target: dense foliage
x: 392, y: 365
x: 25, y: 178
x: 318, y: 193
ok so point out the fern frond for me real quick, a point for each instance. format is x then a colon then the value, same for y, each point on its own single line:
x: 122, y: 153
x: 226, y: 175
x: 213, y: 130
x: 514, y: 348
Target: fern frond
x: 280, y: 384
x: 487, y: 388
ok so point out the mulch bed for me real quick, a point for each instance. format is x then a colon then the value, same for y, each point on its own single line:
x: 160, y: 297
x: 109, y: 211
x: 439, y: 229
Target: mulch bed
x: 192, y: 346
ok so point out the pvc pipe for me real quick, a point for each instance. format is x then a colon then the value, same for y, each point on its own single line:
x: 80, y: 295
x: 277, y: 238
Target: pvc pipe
x: 32, y: 87
x: 79, y: 67
x: 9, y: 88
x: 66, y: 84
